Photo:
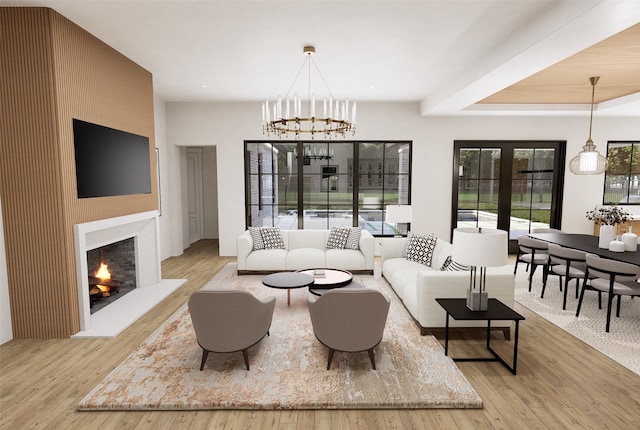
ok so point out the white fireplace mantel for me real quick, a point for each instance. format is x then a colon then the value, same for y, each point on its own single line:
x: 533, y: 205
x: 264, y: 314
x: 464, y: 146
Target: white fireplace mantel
x: 143, y: 227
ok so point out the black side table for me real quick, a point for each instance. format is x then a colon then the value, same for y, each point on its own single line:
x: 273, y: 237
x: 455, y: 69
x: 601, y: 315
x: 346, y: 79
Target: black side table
x: 496, y: 310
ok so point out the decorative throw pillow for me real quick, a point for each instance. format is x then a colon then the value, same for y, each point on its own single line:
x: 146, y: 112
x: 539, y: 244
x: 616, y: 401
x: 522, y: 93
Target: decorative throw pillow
x: 272, y: 238
x: 256, y: 235
x: 337, y: 237
x: 353, y: 241
x: 419, y: 248
x: 451, y: 266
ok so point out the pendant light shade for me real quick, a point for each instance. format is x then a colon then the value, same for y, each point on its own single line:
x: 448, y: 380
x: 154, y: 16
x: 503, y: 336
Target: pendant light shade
x: 589, y: 161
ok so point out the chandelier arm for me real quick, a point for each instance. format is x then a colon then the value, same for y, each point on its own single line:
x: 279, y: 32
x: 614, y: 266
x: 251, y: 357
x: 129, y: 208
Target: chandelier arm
x: 296, y: 78
x: 322, y: 78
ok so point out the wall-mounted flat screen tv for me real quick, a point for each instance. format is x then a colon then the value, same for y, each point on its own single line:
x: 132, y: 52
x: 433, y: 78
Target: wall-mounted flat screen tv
x: 110, y: 162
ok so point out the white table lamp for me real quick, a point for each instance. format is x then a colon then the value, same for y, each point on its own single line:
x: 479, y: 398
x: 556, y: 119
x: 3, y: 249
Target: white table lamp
x: 397, y: 214
x: 481, y: 248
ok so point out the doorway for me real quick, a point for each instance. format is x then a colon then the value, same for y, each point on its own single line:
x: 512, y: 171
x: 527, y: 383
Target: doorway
x: 509, y: 185
x: 195, y: 195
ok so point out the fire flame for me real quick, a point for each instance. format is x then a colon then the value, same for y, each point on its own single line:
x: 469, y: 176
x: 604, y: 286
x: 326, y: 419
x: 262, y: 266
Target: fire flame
x: 103, y: 272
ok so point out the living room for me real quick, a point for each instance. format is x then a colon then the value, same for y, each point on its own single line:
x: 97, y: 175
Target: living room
x: 221, y: 128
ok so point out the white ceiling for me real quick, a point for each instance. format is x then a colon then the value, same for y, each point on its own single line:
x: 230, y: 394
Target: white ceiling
x: 446, y: 55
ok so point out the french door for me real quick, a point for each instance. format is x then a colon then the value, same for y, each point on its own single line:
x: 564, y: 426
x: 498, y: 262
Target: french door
x: 510, y: 185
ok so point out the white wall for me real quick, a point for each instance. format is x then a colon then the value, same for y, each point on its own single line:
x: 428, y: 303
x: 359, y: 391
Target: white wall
x: 227, y: 125
x: 170, y: 187
x: 6, y: 330
x: 210, y: 192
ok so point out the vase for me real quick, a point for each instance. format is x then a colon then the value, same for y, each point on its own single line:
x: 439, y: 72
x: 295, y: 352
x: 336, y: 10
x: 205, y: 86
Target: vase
x: 616, y: 245
x: 630, y: 240
x: 607, y: 234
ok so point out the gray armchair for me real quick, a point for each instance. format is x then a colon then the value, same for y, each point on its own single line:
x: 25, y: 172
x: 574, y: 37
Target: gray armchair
x: 229, y: 321
x: 349, y: 320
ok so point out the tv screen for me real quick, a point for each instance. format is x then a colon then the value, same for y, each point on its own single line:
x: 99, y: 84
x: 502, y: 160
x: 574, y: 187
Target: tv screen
x: 110, y: 162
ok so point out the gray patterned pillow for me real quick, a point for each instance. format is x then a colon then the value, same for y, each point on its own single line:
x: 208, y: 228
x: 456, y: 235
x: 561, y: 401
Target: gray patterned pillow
x: 338, y: 237
x: 272, y: 238
x: 451, y: 266
x: 419, y: 248
x: 353, y: 241
x: 256, y: 235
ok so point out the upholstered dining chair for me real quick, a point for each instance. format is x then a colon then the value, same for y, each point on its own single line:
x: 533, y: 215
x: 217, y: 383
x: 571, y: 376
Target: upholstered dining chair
x: 613, y: 277
x: 565, y: 263
x: 229, y: 321
x: 546, y: 230
x: 535, y: 253
x: 349, y: 320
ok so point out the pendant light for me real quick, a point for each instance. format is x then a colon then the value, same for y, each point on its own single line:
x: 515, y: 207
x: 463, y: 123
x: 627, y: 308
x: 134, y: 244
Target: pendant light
x: 589, y: 161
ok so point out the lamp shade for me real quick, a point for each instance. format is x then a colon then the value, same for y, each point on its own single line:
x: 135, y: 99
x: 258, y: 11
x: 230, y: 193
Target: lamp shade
x: 398, y: 213
x: 480, y: 247
x: 588, y: 162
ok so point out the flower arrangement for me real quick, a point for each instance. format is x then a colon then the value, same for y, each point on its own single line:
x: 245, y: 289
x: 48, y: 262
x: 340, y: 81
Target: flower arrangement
x: 608, y: 215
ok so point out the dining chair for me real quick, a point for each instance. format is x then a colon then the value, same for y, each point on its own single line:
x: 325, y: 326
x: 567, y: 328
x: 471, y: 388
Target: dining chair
x: 546, y: 230
x: 535, y: 253
x: 565, y: 263
x: 609, y: 276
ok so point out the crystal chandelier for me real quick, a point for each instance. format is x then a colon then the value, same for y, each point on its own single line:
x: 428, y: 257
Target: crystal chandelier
x: 285, y: 117
x: 589, y: 161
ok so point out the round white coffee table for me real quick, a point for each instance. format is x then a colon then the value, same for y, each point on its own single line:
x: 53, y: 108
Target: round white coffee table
x: 327, y: 279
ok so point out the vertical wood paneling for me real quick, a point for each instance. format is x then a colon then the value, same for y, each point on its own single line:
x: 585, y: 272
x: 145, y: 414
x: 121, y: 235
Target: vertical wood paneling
x: 52, y: 72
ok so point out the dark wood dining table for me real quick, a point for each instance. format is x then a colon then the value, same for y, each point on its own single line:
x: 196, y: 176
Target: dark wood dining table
x: 587, y: 243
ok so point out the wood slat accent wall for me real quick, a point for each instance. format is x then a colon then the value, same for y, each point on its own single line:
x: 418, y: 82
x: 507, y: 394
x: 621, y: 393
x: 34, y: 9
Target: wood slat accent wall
x: 53, y: 71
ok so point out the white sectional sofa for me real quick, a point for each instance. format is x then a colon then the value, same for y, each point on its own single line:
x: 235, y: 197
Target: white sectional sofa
x: 418, y: 285
x: 305, y: 249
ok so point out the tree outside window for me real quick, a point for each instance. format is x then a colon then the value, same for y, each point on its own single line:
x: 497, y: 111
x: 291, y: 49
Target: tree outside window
x: 622, y: 178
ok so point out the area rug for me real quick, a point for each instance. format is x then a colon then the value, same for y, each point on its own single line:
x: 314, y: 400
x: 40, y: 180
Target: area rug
x: 621, y: 344
x: 288, y: 368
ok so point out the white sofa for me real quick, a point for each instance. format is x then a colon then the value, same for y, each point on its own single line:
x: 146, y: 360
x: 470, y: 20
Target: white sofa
x: 418, y: 285
x: 305, y: 249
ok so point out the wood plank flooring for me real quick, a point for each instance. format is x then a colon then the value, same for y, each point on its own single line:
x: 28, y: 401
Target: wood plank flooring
x: 561, y: 382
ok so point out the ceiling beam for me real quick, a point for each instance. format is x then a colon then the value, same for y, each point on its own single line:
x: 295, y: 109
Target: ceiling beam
x: 461, y: 92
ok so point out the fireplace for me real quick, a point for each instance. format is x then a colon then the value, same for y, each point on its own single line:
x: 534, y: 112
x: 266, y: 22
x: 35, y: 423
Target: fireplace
x: 140, y: 232
x: 112, y: 273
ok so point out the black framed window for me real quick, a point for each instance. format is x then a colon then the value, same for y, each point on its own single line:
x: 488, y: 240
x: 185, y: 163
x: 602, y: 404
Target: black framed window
x: 622, y: 178
x: 321, y: 184
x: 510, y: 185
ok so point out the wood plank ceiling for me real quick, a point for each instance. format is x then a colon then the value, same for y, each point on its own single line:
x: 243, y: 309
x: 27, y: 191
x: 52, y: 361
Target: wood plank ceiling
x: 616, y: 60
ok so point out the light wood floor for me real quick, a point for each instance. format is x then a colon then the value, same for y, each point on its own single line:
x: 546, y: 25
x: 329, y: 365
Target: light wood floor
x: 561, y: 382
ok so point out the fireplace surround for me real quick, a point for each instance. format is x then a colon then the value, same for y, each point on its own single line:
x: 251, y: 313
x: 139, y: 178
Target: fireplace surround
x: 144, y: 229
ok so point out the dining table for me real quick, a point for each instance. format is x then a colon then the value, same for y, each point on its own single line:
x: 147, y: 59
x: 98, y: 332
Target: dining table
x: 588, y: 243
